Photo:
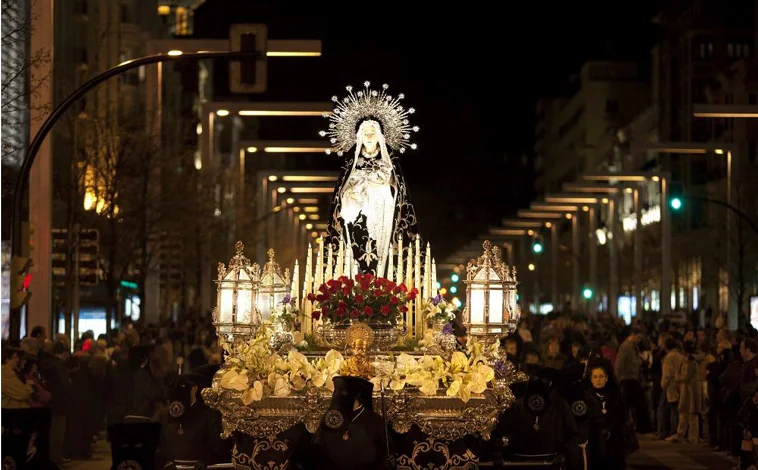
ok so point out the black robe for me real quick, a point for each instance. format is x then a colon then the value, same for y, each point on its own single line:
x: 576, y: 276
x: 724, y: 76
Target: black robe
x: 366, y: 448
x: 195, y: 436
x: 607, y: 446
x: 552, y: 431
x: 405, y: 222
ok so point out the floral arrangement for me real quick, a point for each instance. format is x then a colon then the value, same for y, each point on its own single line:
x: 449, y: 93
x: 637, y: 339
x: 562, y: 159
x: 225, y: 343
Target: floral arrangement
x: 366, y: 298
x: 257, y: 372
x: 286, y: 313
x: 438, y: 309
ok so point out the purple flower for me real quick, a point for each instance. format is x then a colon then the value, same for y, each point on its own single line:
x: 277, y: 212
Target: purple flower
x: 501, y: 368
x: 286, y: 300
x: 447, y: 329
x: 436, y: 300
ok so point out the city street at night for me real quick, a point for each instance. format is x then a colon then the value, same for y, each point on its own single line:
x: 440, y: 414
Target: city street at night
x: 315, y: 236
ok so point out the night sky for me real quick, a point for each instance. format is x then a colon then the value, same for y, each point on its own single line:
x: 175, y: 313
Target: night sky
x: 473, y: 75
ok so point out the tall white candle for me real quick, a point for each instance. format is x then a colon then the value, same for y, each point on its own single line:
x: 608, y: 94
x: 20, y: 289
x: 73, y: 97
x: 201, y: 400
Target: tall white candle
x: 329, y: 265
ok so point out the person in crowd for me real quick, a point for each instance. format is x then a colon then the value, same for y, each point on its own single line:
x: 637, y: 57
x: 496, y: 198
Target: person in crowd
x: 668, y: 407
x: 511, y: 344
x: 609, y: 438
x: 190, y: 431
x: 553, y: 357
x: 16, y: 392
x: 628, y: 370
x: 690, y: 396
x: 39, y: 334
x: 656, y: 373
x: 351, y: 435
x: 58, y: 378
x: 539, y: 424
x: 714, y: 370
x: 572, y: 389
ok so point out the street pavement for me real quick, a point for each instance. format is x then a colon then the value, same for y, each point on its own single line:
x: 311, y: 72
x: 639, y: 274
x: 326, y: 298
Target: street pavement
x: 653, y: 455
x: 660, y: 455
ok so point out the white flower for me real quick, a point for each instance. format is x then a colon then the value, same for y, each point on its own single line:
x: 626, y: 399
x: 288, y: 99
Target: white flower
x: 233, y: 380
x: 254, y: 393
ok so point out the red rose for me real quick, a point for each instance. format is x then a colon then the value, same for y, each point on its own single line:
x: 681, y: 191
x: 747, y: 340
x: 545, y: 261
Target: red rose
x: 354, y: 313
x: 414, y: 291
x: 403, y: 308
x: 343, y: 279
x: 311, y: 297
x: 359, y: 298
x: 350, y: 283
x: 411, y: 296
x: 385, y: 310
x: 324, y: 310
x: 346, y: 290
x: 369, y: 277
x: 340, y: 312
x: 394, y: 300
x: 401, y: 288
x: 316, y: 315
x: 322, y: 288
x: 320, y: 298
x: 377, y: 292
x: 342, y: 305
x: 368, y: 310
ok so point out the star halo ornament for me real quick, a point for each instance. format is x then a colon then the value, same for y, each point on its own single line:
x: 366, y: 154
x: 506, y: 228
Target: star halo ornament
x: 369, y: 104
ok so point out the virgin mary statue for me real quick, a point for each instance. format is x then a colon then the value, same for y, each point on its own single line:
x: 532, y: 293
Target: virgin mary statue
x: 370, y: 206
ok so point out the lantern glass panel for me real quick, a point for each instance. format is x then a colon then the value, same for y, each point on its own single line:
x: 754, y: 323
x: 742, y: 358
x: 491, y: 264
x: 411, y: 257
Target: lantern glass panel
x: 496, y: 303
x: 226, y: 307
x: 476, y: 308
x: 244, y: 304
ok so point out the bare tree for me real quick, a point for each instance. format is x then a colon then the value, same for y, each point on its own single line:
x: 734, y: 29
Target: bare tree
x: 21, y: 79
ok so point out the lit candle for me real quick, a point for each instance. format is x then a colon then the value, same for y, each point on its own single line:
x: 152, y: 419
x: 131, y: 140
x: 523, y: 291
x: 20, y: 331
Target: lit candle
x: 329, y: 265
x: 295, y: 280
x: 340, y: 266
x: 399, y: 273
x: 417, y: 284
x: 389, y: 275
x: 307, y: 289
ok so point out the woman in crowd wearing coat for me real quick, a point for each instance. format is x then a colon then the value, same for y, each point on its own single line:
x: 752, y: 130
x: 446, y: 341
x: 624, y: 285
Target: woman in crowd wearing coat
x: 607, y: 417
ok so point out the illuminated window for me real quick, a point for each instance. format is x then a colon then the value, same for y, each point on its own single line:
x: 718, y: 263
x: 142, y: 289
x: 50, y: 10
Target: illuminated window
x: 164, y: 10
x: 182, y: 22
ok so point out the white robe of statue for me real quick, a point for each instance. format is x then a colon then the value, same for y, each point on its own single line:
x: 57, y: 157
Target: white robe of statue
x: 370, y: 191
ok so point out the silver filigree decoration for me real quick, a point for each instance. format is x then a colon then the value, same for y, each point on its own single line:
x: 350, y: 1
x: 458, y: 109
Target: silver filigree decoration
x: 579, y: 408
x: 370, y: 104
x: 536, y: 403
x: 334, y: 419
x: 176, y: 409
x: 129, y: 465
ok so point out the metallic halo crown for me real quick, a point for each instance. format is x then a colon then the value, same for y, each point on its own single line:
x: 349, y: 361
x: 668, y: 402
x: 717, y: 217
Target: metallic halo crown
x: 369, y: 104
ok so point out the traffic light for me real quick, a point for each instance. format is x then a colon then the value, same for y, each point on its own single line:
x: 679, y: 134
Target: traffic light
x: 455, y: 278
x: 453, y: 290
x: 587, y: 293
x: 21, y: 279
x: 537, y: 246
x: 676, y: 196
x: 248, y: 75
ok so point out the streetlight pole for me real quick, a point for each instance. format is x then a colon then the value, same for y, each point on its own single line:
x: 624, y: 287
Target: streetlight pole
x: 22, y: 180
x: 637, y: 254
x: 593, y: 259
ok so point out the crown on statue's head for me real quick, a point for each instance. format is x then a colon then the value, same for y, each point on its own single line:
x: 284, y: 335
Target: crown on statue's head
x: 369, y: 104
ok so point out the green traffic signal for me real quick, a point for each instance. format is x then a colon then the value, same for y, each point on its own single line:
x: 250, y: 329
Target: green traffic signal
x: 453, y: 290
x: 676, y: 203
x: 537, y: 247
x: 587, y: 293
x: 455, y: 278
